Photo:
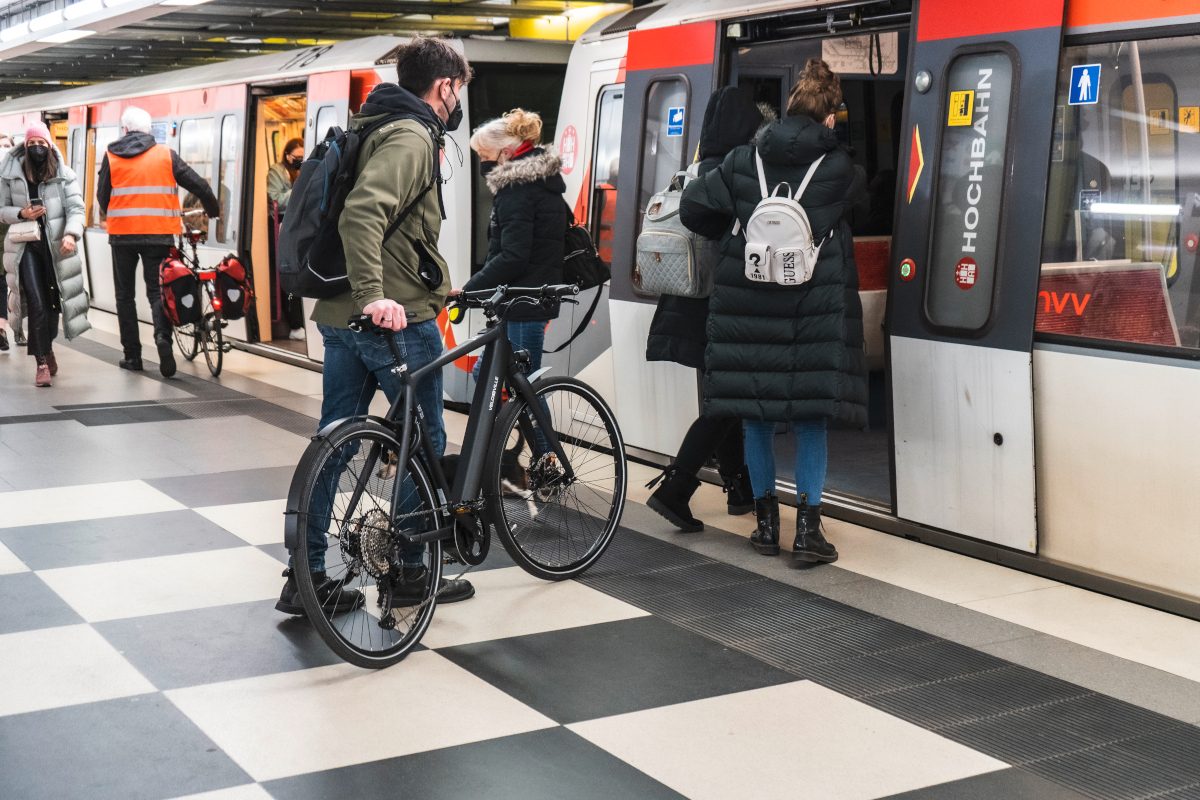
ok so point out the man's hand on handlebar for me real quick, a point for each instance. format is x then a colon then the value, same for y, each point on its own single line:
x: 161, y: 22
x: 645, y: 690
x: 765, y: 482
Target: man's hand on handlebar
x: 387, y: 314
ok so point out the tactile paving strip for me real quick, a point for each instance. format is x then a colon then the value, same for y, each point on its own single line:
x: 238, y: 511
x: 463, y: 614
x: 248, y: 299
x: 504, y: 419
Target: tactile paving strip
x: 1094, y: 744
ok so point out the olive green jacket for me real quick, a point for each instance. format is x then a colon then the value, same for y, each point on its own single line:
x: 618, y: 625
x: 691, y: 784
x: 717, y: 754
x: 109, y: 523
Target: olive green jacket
x: 395, y: 164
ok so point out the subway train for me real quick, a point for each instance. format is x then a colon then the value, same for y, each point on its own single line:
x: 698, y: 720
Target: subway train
x: 231, y: 121
x: 1026, y: 257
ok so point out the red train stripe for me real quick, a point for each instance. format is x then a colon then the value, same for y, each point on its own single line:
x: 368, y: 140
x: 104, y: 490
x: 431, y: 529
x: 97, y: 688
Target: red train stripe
x: 1106, y: 12
x: 674, y: 46
x: 952, y: 19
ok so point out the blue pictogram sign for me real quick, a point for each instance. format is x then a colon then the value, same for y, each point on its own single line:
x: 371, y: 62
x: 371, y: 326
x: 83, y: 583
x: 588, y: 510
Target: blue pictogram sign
x: 1085, y: 84
x: 675, y: 121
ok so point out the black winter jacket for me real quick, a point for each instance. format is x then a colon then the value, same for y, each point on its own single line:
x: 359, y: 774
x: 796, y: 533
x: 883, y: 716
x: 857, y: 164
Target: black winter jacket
x: 134, y: 144
x: 774, y: 352
x: 677, y: 332
x: 527, y: 229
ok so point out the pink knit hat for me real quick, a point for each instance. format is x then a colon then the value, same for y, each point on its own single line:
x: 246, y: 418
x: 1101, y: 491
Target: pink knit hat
x: 39, y: 130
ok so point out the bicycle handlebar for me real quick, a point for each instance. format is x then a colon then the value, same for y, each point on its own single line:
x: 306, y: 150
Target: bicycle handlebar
x: 483, y: 298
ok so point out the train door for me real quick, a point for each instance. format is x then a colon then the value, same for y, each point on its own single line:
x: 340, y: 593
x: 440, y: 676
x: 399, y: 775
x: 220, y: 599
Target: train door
x: 766, y: 61
x: 279, y: 124
x: 965, y: 266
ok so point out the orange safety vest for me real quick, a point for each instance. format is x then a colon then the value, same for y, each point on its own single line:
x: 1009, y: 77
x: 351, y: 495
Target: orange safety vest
x: 145, y: 197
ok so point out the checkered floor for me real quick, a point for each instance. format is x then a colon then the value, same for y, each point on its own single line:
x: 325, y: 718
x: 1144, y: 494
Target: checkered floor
x: 141, y: 655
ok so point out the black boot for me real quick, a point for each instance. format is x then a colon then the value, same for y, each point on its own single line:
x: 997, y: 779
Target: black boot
x: 766, y: 538
x: 739, y: 498
x: 331, y: 593
x: 671, y: 499
x: 411, y: 591
x: 3, y: 339
x: 810, y: 544
x: 131, y: 363
x: 166, y: 357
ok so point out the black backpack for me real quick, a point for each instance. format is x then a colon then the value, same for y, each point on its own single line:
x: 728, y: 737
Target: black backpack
x: 582, y: 265
x: 310, y: 257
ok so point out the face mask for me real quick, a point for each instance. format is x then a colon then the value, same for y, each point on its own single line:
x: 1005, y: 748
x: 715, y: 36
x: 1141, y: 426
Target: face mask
x: 38, y: 153
x: 455, y: 117
x: 295, y: 162
x: 487, y: 166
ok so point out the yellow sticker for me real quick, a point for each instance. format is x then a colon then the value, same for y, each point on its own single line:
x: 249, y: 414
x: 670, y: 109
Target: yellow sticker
x: 1160, y: 120
x: 962, y: 108
x: 1189, y: 119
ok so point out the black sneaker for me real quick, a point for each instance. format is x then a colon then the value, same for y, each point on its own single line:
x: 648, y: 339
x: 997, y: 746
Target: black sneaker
x: 131, y: 364
x: 331, y: 593
x: 166, y: 357
x: 3, y: 339
x: 411, y: 591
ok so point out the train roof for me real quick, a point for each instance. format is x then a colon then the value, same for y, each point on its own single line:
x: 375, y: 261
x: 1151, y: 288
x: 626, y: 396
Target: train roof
x: 681, y: 12
x: 352, y: 54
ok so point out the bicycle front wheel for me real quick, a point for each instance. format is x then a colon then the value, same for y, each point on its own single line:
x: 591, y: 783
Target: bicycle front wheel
x: 374, y: 598
x: 188, y: 339
x: 552, y: 526
x: 211, y: 340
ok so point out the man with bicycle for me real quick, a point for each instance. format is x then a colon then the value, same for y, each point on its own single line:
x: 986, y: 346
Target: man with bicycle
x: 401, y: 281
x: 138, y: 191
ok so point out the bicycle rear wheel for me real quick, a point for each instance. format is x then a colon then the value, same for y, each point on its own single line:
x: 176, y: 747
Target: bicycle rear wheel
x: 341, y: 499
x: 211, y: 340
x: 554, y: 528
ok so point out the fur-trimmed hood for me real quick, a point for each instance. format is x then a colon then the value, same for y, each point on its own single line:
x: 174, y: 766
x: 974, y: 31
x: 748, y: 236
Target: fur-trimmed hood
x: 541, y: 164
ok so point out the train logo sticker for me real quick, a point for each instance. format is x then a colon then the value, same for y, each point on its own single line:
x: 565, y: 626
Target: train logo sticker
x: 675, y: 121
x: 961, y: 108
x: 1085, y: 85
x: 568, y: 148
x: 965, y: 272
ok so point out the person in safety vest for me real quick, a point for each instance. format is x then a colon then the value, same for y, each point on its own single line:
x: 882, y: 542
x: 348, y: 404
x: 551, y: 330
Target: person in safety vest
x: 138, y: 192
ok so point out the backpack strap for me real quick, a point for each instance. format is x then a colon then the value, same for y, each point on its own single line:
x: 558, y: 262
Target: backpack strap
x: 581, y: 327
x: 807, y: 177
x: 762, y: 176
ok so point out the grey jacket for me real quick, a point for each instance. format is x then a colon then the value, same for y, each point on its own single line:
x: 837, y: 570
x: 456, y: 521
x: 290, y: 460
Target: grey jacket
x: 64, y: 215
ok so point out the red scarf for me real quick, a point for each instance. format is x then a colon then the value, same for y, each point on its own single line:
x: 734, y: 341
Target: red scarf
x: 523, y: 149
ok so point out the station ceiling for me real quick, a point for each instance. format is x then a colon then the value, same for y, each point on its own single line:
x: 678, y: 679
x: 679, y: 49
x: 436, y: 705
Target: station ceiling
x: 191, y: 35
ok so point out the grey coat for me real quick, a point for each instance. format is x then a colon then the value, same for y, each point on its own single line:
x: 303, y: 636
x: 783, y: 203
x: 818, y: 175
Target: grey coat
x: 64, y: 215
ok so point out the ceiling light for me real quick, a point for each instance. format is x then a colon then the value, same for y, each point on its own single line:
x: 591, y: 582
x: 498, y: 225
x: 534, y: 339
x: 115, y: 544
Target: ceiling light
x: 46, y: 21
x: 15, y: 32
x: 111, y: 3
x: 80, y: 9
x: 62, y: 37
x: 1136, y: 209
x: 182, y: 2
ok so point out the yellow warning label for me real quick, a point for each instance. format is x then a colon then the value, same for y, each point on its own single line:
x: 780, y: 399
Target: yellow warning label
x: 961, y: 108
x: 1189, y: 119
x: 1159, y: 120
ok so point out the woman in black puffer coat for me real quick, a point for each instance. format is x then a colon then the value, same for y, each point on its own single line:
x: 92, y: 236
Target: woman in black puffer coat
x: 786, y: 353
x: 529, y: 221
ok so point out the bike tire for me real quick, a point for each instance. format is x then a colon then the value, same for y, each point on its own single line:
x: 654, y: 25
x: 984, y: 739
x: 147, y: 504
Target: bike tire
x: 543, y: 544
x: 318, y: 484
x: 188, y: 339
x: 214, y: 344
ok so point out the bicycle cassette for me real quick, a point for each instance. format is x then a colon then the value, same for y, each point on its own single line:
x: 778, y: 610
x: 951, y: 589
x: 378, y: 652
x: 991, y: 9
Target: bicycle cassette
x: 375, y: 544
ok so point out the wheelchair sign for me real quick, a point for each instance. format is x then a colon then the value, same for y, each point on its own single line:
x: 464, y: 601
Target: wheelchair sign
x: 1085, y: 84
x: 675, y: 121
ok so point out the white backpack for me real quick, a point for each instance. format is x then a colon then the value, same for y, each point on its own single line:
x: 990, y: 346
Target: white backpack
x: 779, y: 239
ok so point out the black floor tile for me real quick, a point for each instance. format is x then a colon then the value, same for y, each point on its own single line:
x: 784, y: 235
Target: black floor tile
x: 543, y: 765
x: 137, y: 748
x: 613, y: 668
x: 222, y: 488
x: 27, y: 604
x: 125, y: 416
x: 207, y: 645
x: 1005, y: 784
x: 95, y: 541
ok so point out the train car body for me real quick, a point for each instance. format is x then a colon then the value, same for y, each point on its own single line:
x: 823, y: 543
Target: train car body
x: 1026, y: 255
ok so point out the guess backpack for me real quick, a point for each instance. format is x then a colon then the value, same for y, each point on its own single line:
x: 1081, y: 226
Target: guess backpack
x: 779, y: 238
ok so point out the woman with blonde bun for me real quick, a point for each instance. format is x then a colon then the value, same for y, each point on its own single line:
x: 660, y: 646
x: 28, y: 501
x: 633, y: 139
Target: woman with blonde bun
x: 529, y: 220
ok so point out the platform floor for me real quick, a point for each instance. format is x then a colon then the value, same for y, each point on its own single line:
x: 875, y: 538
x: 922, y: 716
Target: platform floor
x: 141, y: 656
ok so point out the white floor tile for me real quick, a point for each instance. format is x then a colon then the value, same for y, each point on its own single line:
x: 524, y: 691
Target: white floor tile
x: 163, y: 584
x: 248, y: 791
x: 511, y: 602
x: 256, y: 523
x: 714, y: 749
x: 55, y: 667
x: 71, y: 503
x: 1154, y: 638
x: 340, y: 715
x: 937, y: 573
x: 9, y: 563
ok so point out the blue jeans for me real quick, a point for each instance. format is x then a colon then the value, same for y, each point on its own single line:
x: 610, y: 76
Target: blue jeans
x: 530, y: 336
x: 812, y: 458
x: 356, y: 364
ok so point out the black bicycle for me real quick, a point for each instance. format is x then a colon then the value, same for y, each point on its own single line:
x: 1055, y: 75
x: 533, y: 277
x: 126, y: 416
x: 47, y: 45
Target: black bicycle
x: 543, y: 464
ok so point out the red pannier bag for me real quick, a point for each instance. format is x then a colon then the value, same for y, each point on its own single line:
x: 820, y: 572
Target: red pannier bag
x: 233, y: 288
x: 180, y: 291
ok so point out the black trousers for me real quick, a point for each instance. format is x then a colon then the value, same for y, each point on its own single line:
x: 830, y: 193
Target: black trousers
x: 709, y: 436
x: 38, y: 288
x: 125, y: 262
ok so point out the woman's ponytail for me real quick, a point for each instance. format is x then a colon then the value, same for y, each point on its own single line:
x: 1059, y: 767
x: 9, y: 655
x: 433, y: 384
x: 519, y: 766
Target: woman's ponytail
x: 524, y: 125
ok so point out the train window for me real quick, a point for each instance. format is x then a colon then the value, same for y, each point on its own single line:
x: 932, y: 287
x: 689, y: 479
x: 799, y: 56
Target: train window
x: 664, y: 141
x: 195, y: 148
x: 1122, y: 226
x: 231, y: 145
x: 966, y: 229
x: 103, y: 138
x: 327, y: 118
x: 605, y: 165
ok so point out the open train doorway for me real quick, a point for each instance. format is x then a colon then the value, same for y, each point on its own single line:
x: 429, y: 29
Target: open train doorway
x: 871, y: 60
x: 279, y: 123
